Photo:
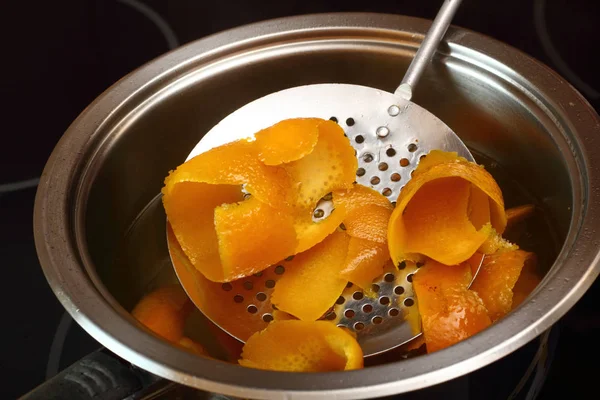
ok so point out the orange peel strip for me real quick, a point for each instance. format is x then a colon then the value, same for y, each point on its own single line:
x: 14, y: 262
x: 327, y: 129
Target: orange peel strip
x: 331, y: 165
x: 497, y: 278
x: 302, y: 346
x: 369, y: 223
x: 367, y: 216
x: 312, y: 283
x: 436, y: 157
x: 190, y: 208
x: 367, y: 212
x: 288, y: 140
x: 310, y: 233
x: 449, y: 312
x: 527, y: 282
x: 360, y: 196
x: 364, y: 262
x: 234, y: 163
x: 436, y: 224
x: 432, y: 213
x: 252, y: 236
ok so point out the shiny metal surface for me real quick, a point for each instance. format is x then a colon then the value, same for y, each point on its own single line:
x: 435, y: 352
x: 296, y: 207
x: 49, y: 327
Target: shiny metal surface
x: 112, y: 160
x: 390, y: 135
x: 428, y: 48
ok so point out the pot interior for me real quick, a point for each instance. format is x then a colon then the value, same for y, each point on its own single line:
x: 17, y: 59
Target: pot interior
x: 154, y: 130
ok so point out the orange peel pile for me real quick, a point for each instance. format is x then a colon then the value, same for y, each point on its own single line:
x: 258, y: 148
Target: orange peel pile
x: 357, y: 253
x: 286, y: 174
x: 236, y: 211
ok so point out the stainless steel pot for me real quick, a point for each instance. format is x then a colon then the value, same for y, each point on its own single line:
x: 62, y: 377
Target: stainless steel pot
x: 111, y: 162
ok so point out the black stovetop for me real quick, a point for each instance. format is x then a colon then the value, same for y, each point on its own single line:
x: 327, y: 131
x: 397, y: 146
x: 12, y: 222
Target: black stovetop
x: 58, y: 56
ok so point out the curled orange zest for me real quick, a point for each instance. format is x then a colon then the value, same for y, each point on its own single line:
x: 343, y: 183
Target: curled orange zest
x: 330, y: 166
x: 288, y: 140
x: 369, y: 223
x: 360, y: 196
x: 312, y: 282
x: 447, y: 211
x: 449, y: 311
x: 234, y: 163
x: 436, y: 157
x: 301, y: 346
x: 367, y: 216
x: 307, y: 158
x: 496, y: 279
x: 252, y: 236
x: 190, y: 208
x: 309, y: 232
x: 364, y: 262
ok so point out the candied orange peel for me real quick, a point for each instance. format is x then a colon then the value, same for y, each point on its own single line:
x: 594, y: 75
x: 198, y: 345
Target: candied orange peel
x: 301, y: 346
x: 449, y: 311
x: 238, y: 210
x: 312, y: 281
x: 272, y: 232
x: 315, y: 278
x: 299, y: 139
x: 451, y: 216
x: 497, y: 278
x: 447, y: 211
x: 330, y: 166
x: 367, y: 213
x: 286, y: 169
x: 364, y: 262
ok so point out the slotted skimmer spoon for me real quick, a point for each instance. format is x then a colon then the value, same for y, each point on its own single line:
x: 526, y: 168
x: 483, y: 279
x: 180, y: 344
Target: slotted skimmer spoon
x: 390, y: 134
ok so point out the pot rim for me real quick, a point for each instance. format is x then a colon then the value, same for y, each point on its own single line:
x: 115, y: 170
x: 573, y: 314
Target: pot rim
x: 62, y: 254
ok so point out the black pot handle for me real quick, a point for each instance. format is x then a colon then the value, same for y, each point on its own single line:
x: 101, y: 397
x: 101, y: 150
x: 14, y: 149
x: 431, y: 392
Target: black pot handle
x: 100, y: 375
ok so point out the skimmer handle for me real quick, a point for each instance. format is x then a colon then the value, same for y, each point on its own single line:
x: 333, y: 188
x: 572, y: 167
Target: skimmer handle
x: 427, y: 49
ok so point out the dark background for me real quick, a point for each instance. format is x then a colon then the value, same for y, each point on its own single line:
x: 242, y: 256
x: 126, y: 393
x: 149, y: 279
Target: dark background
x: 57, y: 56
